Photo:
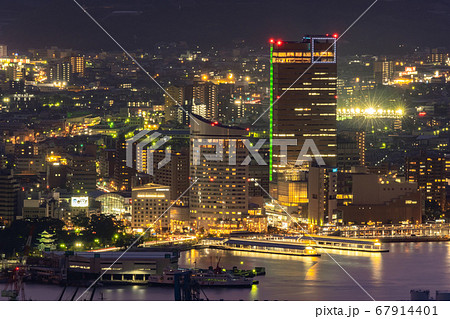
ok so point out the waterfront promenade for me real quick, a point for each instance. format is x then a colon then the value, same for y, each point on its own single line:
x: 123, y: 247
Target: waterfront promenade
x: 441, y: 230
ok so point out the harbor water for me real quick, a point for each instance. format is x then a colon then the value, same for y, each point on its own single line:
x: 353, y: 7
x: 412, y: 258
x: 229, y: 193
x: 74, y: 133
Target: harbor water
x: 385, y: 276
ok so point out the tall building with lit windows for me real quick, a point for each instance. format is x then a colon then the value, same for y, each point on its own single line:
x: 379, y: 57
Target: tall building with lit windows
x: 351, y: 150
x: 60, y: 72
x: 9, y: 197
x: 206, y: 93
x: 383, y: 71
x: 81, y: 173
x: 78, y: 65
x: 303, y: 75
x: 200, y: 98
x: 150, y: 204
x: 429, y: 172
x: 123, y: 175
x: 176, y: 95
x: 219, y: 198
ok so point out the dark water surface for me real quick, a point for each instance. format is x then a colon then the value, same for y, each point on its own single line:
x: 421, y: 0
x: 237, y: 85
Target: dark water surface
x: 386, y: 276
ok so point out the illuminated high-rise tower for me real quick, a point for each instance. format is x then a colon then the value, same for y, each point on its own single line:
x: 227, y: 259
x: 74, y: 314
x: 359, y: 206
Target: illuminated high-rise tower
x: 78, y: 65
x: 219, y: 198
x: 303, y: 75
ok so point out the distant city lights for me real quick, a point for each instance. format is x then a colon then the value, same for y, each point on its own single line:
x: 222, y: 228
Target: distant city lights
x: 370, y: 112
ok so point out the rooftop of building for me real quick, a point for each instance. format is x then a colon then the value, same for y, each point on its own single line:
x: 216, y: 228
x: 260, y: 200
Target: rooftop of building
x: 152, y: 186
x: 201, y: 126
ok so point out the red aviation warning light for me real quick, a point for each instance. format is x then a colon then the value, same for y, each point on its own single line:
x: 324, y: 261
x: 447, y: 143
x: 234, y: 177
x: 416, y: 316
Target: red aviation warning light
x: 279, y: 42
x: 272, y: 41
x: 335, y: 35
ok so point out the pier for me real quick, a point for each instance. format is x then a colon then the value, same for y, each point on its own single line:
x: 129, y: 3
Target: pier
x: 440, y: 230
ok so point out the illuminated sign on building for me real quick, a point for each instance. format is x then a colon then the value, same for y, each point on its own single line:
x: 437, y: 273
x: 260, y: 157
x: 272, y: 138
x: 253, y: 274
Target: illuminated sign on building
x: 409, y: 70
x: 79, y: 201
x: 147, y: 195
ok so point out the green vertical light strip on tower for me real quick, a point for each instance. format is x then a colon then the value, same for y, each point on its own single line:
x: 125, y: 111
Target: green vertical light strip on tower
x: 271, y: 115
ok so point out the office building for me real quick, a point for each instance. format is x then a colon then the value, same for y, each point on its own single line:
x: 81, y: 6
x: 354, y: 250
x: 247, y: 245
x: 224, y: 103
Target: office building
x: 308, y: 109
x: 78, y: 65
x: 206, y: 93
x: 34, y: 208
x: 174, y: 174
x: 60, y: 72
x: 380, y: 200
x: 322, y: 191
x: 123, y: 175
x: 438, y: 56
x: 383, y: 71
x: 56, y: 175
x: 176, y: 96
x: 429, y: 172
x: 351, y: 150
x: 81, y: 173
x: 9, y: 197
x: 150, y: 204
x: 107, y: 159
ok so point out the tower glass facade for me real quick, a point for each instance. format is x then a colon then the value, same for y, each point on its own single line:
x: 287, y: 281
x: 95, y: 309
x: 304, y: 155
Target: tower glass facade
x: 306, y: 108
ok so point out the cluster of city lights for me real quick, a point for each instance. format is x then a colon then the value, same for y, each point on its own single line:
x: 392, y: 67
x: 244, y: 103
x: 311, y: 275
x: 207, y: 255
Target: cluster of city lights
x: 370, y: 112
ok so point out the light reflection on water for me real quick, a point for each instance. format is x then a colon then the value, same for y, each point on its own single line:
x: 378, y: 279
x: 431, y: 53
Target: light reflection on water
x: 386, y: 276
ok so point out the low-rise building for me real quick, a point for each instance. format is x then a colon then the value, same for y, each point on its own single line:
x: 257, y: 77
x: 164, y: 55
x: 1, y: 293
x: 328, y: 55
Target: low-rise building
x: 150, y: 205
x: 380, y: 200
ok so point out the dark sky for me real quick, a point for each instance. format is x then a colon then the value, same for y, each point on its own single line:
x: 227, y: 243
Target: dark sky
x: 40, y: 23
